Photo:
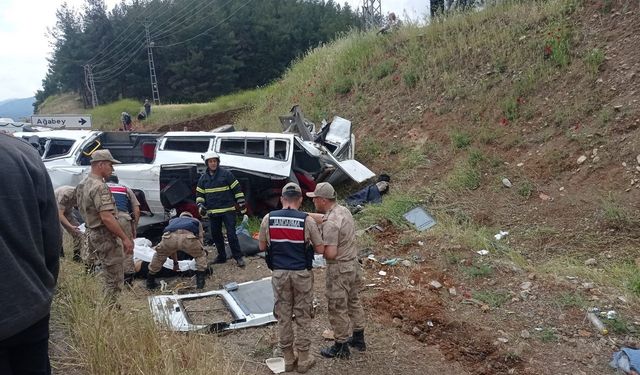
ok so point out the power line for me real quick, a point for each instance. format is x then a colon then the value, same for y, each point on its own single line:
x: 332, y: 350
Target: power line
x: 185, y: 18
x: 158, y: 13
x: 207, y: 30
x: 116, y: 71
x: 103, y: 49
x: 120, y: 63
x: 123, y: 52
x: 185, y: 11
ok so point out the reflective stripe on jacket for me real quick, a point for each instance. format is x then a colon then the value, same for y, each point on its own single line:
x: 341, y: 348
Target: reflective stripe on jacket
x: 219, y: 191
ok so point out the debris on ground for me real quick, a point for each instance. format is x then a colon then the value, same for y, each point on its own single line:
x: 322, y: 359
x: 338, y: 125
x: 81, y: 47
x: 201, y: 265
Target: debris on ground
x: 276, y: 365
x: 597, y: 323
x: 500, y: 235
x: 627, y: 360
x: 420, y: 218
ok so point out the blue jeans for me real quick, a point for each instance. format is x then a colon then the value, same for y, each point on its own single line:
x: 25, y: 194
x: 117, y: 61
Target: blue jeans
x: 229, y: 220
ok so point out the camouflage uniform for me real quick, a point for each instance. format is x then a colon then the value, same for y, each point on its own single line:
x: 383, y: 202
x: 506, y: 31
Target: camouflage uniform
x: 182, y: 240
x: 66, y: 199
x: 344, y: 279
x: 102, y: 245
x: 293, y: 292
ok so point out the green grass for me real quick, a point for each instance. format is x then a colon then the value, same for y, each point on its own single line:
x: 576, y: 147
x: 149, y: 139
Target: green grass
x: 99, y: 339
x: 478, y: 271
x: 410, y: 79
x: 464, y: 176
x: 620, y: 274
x: 492, y: 298
x: 594, y: 60
x: 393, y: 207
x: 433, y: 58
x: 461, y: 139
x: 618, y: 325
x: 383, y: 69
x: 548, y: 335
x: 107, y: 116
x: 525, y: 188
x: 615, y: 214
x: 510, y: 109
x: 634, y: 285
x: 571, y: 299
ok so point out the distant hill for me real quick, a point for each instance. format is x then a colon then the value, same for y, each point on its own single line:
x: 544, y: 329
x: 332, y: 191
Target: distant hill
x: 17, y: 109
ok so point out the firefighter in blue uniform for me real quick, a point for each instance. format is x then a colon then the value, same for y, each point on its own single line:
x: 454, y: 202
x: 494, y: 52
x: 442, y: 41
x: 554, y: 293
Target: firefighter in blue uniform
x: 217, y: 194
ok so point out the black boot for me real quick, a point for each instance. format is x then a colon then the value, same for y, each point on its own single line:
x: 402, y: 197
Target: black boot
x: 241, y: 262
x: 219, y: 260
x: 151, y: 282
x: 337, y: 350
x: 357, y: 341
x: 200, y: 276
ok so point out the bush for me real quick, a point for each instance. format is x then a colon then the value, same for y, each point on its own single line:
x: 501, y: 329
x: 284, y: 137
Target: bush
x: 410, y: 79
x: 383, y: 69
x: 460, y: 139
x: 342, y: 85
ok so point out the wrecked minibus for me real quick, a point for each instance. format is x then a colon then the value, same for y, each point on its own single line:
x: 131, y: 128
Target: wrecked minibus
x: 163, y: 168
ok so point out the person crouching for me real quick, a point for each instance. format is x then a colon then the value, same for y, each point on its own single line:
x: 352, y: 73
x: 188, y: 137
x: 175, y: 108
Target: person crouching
x: 186, y: 234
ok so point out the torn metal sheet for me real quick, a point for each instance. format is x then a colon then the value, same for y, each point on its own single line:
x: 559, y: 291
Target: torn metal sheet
x: 250, y: 305
x: 420, y: 218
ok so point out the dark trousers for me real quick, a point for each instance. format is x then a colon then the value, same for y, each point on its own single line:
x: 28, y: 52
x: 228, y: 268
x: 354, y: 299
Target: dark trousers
x: 229, y: 220
x: 27, y: 352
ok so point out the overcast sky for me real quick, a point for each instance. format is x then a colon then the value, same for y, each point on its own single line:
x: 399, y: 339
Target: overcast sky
x: 24, y: 44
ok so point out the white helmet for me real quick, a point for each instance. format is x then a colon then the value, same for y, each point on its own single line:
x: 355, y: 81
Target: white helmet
x: 210, y: 155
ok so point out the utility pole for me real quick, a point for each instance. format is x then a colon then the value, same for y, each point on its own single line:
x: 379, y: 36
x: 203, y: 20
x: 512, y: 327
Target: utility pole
x: 152, y: 70
x: 372, y: 13
x: 88, y: 80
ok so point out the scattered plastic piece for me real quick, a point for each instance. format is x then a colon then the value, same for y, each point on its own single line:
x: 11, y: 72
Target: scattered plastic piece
x: 483, y: 252
x: 501, y: 235
x: 597, y: 323
x: 382, y: 273
x: 420, y: 218
x: 276, y: 365
x: 391, y: 262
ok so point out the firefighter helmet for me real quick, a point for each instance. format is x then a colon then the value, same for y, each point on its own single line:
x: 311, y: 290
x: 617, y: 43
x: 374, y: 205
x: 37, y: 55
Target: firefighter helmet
x: 210, y: 155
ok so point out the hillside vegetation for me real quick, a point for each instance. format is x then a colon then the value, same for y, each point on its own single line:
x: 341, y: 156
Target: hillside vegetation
x: 522, y: 117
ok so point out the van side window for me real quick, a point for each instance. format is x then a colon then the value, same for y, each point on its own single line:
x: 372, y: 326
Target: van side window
x: 260, y: 148
x: 232, y: 146
x: 257, y: 147
x: 280, y: 150
x: 186, y: 144
x: 58, y: 147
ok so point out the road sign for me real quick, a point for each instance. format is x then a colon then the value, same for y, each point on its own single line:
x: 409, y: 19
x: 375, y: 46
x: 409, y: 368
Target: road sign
x: 62, y: 121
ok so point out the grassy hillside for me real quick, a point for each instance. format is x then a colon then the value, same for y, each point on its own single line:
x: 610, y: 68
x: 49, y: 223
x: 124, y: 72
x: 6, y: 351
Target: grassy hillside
x: 107, y: 116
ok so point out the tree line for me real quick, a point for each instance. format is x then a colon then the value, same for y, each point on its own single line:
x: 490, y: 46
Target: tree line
x: 201, y: 48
